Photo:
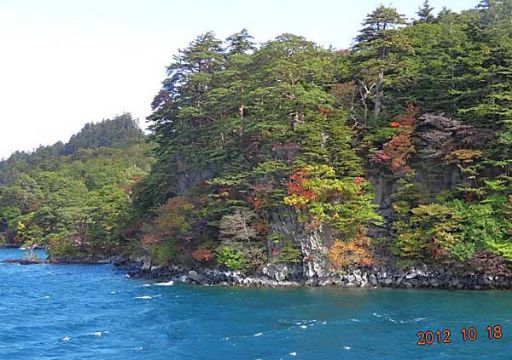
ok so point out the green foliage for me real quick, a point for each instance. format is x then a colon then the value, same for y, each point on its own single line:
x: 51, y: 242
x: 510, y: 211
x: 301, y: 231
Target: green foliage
x: 289, y: 254
x: 164, y: 252
x: 118, y: 132
x: 75, y: 204
x: 454, y: 230
x: 231, y: 257
x: 288, y: 122
x: 342, y: 202
x: 62, y: 245
x: 242, y: 134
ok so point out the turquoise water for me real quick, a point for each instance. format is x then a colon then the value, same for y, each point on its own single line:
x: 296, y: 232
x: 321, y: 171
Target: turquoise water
x: 95, y: 312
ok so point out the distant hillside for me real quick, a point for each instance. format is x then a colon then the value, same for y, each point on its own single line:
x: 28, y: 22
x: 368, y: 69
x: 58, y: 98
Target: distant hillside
x: 118, y: 132
x: 74, y: 197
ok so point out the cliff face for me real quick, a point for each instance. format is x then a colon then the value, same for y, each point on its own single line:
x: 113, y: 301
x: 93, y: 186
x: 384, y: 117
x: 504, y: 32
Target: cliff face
x: 439, y: 153
x: 440, y: 146
x: 277, y: 154
x: 314, y: 246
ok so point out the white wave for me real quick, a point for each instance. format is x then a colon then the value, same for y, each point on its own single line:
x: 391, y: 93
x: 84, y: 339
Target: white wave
x: 303, y: 327
x: 145, y: 297
x: 113, y: 292
x: 293, y: 353
x: 66, y: 338
x: 411, y: 321
x: 305, y: 322
x: 394, y: 321
x: 168, y: 283
x: 357, y: 320
x: 146, y: 285
x: 385, y: 317
x: 98, y: 333
x: 324, y: 322
x: 347, y: 347
x: 258, y: 334
x: 46, y: 297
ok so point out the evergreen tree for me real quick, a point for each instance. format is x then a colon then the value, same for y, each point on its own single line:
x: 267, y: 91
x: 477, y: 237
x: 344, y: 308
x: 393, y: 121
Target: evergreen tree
x: 425, y: 12
x: 377, y: 46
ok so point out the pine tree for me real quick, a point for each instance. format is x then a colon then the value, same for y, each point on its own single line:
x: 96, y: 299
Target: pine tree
x: 425, y: 13
x: 240, y: 43
x: 376, y: 49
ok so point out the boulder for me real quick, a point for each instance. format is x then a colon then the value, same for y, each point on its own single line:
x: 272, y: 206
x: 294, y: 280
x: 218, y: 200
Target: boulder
x: 195, y: 277
x: 373, y: 280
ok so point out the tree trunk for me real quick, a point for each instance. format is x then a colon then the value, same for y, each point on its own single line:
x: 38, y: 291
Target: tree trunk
x: 378, y: 94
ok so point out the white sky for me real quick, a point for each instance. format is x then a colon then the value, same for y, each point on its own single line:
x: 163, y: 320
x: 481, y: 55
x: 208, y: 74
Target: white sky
x: 64, y: 63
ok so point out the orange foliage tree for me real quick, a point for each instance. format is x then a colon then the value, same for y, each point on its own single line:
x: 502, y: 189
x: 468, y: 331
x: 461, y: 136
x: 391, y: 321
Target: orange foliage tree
x: 172, y: 220
x: 399, y: 149
x: 349, y: 254
x: 202, y: 255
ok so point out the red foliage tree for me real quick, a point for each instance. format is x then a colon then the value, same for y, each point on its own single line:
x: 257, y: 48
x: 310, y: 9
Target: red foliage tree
x: 296, y: 184
x: 259, y: 195
x: 399, y: 149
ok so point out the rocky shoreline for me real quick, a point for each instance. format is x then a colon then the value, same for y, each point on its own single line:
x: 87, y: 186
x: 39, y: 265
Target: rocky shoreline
x: 281, y: 275
x: 292, y: 275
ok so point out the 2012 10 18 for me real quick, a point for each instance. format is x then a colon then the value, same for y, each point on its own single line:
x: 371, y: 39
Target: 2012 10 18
x: 467, y: 334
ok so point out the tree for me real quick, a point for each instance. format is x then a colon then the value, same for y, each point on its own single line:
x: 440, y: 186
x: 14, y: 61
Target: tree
x: 425, y: 13
x: 238, y: 226
x: 376, y: 51
x: 74, y: 204
x: 117, y: 132
x: 239, y: 43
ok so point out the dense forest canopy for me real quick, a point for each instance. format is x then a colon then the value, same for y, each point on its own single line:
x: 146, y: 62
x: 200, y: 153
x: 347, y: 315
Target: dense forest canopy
x: 74, y: 198
x: 397, y: 150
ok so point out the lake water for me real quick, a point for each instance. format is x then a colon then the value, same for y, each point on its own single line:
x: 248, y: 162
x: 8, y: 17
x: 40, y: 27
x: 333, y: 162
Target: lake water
x: 96, y: 312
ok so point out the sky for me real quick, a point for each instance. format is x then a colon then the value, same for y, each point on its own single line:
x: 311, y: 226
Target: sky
x: 64, y: 63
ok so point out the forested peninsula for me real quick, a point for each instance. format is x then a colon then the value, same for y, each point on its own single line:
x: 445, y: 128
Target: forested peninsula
x: 389, y: 163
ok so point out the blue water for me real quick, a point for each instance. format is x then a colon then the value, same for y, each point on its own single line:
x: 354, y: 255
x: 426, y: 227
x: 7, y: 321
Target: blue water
x: 96, y: 312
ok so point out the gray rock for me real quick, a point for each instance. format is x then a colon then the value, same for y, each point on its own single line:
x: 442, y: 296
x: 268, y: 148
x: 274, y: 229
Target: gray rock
x: 433, y: 282
x: 146, y: 263
x: 364, y: 280
x: 358, y: 278
x: 411, y: 275
x: 373, y: 280
x: 195, y: 277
